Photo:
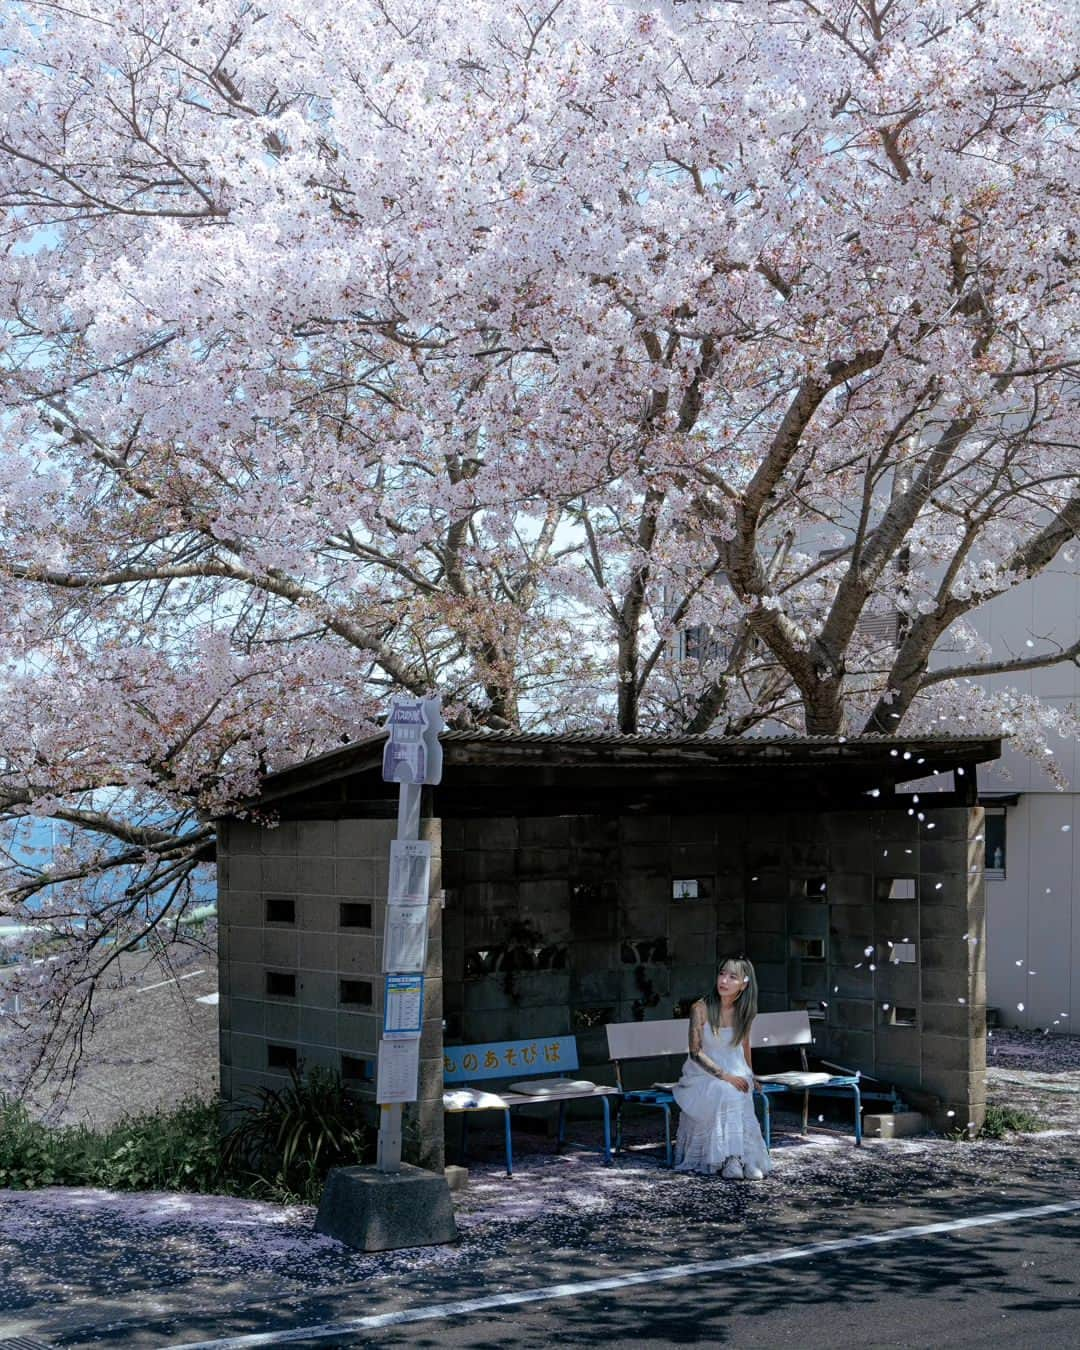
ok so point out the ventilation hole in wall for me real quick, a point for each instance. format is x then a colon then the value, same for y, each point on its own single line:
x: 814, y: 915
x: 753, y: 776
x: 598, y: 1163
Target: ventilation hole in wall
x: 354, y: 915
x: 281, y: 1056
x: 897, y: 888
x: 902, y: 1017
x: 280, y: 909
x: 808, y: 948
x: 644, y: 951
x: 586, y: 1018
x: 691, y: 888
x: 816, y: 888
x: 902, y: 953
x: 355, y: 1070
x: 280, y: 984
x: 356, y: 992
x: 814, y: 1008
x: 556, y: 957
x: 483, y: 961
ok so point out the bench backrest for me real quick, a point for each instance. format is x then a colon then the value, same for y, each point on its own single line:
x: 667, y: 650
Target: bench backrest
x: 775, y: 1030
x: 505, y: 1059
x: 647, y: 1040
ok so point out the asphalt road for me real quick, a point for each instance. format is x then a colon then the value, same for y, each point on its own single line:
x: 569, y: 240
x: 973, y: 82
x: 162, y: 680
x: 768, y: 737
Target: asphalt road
x: 1016, y: 1287
x: 1008, y: 1282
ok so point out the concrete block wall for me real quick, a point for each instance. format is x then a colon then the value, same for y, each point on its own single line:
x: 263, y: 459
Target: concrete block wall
x: 309, y: 870
x: 558, y: 925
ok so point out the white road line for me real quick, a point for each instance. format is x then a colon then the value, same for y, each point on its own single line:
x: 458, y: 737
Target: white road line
x: 145, y: 989
x: 693, y: 1270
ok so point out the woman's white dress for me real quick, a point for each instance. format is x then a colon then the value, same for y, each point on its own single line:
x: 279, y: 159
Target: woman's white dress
x: 717, y: 1121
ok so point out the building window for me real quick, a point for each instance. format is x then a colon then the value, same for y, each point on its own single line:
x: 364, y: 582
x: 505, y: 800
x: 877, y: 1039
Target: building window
x: 354, y: 915
x: 995, y: 840
x: 808, y: 948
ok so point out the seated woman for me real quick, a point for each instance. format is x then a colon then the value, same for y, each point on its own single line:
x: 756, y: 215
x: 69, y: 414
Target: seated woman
x: 718, y: 1130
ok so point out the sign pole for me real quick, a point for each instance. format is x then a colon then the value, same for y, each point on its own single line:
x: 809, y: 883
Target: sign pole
x: 413, y: 757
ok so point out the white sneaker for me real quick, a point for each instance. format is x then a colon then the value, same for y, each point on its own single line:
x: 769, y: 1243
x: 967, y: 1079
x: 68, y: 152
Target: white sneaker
x: 753, y: 1174
x: 733, y: 1170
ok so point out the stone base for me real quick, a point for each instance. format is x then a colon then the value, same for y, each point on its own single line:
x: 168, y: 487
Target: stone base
x: 894, y: 1124
x: 377, y: 1211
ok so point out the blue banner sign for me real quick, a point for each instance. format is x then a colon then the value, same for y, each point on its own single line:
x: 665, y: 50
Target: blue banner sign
x: 501, y: 1059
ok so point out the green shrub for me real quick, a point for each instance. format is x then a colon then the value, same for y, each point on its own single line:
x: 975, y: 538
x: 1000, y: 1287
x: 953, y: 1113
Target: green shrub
x: 33, y: 1155
x: 166, y: 1150
x: 286, y: 1141
x: 281, y: 1149
x: 178, y: 1150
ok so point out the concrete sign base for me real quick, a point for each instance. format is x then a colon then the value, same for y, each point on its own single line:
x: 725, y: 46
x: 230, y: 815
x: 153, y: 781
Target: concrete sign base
x: 377, y: 1211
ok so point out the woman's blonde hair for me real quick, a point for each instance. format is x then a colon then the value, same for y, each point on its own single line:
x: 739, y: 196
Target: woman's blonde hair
x: 745, y: 1007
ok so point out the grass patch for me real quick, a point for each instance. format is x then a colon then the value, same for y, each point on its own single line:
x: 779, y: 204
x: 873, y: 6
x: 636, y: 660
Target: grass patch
x: 280, y: 1150
x: 1003, y: 1120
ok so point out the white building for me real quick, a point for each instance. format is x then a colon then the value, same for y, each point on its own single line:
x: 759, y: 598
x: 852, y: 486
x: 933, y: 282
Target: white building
x: 1033, y: 828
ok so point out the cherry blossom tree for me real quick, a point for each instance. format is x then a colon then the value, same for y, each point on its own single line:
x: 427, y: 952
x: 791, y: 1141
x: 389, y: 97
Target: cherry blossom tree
x: 646, y: 366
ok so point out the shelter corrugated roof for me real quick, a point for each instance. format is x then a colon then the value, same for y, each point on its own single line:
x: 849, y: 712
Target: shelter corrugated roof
x: 467, y: 752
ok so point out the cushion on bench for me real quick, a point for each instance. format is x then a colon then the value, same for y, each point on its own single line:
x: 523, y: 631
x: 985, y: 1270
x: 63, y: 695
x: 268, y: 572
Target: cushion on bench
x: 795, y: 1079
x: 540, y: 1087
x: 472, y: 1099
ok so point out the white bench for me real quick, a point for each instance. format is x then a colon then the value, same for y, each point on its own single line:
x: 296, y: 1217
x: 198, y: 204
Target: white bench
x: 464, y: 1065
x: 770, y: 1031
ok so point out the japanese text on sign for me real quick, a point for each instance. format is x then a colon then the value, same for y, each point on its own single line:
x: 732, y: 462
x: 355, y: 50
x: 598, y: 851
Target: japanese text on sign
x: 508, y: 1057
